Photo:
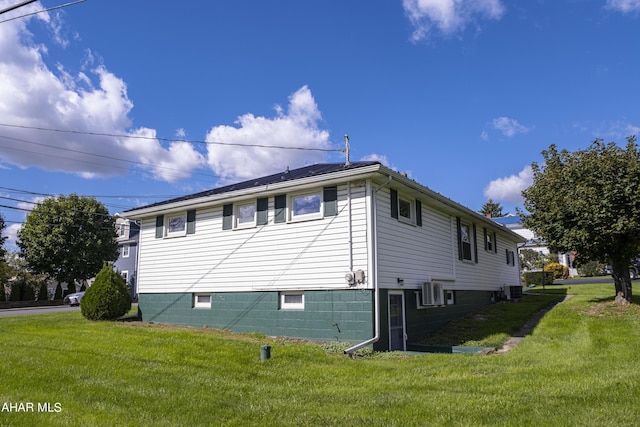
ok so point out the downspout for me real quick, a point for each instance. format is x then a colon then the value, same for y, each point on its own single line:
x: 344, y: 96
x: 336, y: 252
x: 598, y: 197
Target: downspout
x: 350, y: 226
x: 376, y: 290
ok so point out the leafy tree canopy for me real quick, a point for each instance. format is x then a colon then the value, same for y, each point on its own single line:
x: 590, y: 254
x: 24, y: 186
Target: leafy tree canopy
x: 589, y: 201
x: 69, y: 238
x: 491, y: 209
x: 3, y: 238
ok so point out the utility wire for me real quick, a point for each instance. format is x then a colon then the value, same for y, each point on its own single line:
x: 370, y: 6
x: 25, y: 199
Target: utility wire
x: 95, y: 196
x: 191, y: 141
x: 39, y: 11
x: 10, y: 8
x: 95, y: 155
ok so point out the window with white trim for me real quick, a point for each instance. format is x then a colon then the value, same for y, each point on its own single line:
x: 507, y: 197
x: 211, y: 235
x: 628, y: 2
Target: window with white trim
x: 465, y: 238
x: 405, y: 209
x: 123, y: 229
x: 176, y: 225
x: 125, y: 251
x: 305, y: 206
x: 292, y: 300
x: 201, y: 300
x: 125, y: 275
x: 490, y: 241
x: 246, y: 214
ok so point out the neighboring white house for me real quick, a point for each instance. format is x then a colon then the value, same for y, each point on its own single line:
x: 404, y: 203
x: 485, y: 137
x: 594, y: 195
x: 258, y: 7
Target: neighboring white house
x: 356, y: 253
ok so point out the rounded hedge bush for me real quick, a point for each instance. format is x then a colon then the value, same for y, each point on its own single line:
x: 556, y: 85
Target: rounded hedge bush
x: 107, y: 298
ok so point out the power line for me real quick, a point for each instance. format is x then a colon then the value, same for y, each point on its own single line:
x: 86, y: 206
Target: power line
x: 95, y: 155
x: 191, y: 141
x: 95, y: 196
x: 10, y: 8
x: 38, y: 11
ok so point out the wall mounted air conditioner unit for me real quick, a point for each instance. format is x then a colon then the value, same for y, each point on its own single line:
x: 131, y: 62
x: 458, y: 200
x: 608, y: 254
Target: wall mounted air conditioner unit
x: 432, y: 294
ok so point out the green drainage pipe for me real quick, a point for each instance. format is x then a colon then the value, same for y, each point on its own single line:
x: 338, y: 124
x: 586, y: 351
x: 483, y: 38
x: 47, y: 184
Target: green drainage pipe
x: 265, y: 352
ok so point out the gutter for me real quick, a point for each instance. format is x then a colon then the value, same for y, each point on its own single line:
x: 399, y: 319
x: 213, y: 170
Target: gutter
x: 376, y: 289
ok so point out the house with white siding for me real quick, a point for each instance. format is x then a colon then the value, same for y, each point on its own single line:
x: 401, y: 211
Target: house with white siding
x: 352, y: 252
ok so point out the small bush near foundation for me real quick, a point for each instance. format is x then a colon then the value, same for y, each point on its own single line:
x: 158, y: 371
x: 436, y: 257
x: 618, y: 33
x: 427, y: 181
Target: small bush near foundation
x: 108, y: 298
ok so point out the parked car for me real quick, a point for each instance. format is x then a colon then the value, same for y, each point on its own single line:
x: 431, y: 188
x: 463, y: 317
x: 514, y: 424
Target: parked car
x: 73, y: 299
x: 634, y: 269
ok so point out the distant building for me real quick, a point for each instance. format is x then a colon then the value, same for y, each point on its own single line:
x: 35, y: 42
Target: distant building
x: 128, y: 235
x: 533, y: 242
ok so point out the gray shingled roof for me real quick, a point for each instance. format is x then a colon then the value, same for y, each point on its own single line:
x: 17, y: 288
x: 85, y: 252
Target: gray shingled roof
x: 288, y: 175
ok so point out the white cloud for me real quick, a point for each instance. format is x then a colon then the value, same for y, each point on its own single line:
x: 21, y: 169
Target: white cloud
x: 448, y: 16
x: 376, y: 158
x: 11, y: 232
x: 509, y: 127
x: 624, y: 6
x: 297, y: 126
x: 509, y: 189
x: 34, y: 95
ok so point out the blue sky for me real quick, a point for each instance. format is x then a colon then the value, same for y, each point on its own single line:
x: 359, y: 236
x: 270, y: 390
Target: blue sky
x: 150, y: 99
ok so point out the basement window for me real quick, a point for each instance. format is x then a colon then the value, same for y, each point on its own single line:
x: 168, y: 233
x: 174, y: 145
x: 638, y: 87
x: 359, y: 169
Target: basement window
x: 201, y: 300
x: 292, y: 300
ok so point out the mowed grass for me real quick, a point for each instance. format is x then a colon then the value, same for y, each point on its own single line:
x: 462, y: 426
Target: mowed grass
x: 578, y: 368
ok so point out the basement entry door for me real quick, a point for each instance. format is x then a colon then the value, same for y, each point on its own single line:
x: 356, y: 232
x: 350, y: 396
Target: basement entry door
x: 397, y: 335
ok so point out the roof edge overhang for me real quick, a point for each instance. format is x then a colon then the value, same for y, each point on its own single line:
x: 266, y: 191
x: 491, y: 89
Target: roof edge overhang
x: 330, y: 178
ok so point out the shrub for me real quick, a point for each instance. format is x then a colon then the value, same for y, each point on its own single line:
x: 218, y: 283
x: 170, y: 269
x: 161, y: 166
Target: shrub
x: 108, y: 297
x: 58, y: 294
x: 16, y: 291
x: 71, y: 288
x: 27, y: 292
x: 43, y: 292
x: 3, y: 295
x: 559, y: 271
x: 591, y: 268
x: 538, y: 278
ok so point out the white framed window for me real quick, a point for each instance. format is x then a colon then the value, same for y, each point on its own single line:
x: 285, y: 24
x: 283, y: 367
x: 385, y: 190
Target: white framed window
x: 125, y: 251
x: 125, y: 275
x: 406, y: 210
x: 176, y: 225
x: 201, y: 300
x: 246, y: 215
x: 450, y: 297
x: 292, y: 300
x: 123, y: 229
x: 465, y: 238
x: 305, y: 206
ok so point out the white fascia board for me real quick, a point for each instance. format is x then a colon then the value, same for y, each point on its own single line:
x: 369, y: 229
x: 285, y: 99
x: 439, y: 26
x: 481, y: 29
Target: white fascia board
x: 265, y: 190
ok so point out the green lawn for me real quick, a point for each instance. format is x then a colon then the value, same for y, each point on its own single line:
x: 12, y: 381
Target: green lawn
x: 579, y: 368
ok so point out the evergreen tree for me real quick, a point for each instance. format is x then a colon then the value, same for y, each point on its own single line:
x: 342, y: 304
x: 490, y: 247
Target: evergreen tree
x: 491, y: 209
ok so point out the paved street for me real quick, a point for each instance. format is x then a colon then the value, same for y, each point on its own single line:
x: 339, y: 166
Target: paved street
x: 36, y: 310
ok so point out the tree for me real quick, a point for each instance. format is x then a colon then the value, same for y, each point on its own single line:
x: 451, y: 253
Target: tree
x: 491, y: 209
x: 3, y: 239
x: 589, y: 201
x: 69, y: 238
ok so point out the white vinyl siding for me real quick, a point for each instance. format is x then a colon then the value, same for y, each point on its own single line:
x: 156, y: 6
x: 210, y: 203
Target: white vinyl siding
x: 278, y: 256
x: 415, y: 254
